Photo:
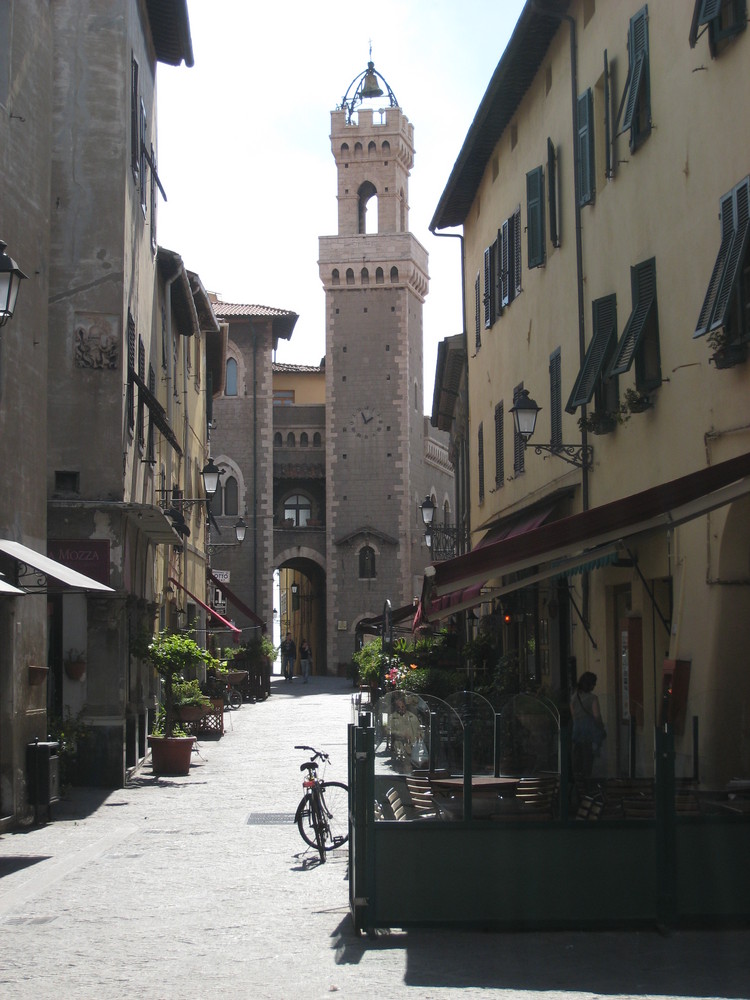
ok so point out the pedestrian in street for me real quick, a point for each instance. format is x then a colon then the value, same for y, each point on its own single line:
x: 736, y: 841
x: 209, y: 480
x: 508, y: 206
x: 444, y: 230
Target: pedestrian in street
x: 288, y: 657
x: 588, y: 728
x: 305, y: 659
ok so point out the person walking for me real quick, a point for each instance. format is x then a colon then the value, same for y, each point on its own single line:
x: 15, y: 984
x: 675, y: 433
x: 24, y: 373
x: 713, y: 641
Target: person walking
x: 588, y: 727
x: 305, y: 659
x: 288, y: 657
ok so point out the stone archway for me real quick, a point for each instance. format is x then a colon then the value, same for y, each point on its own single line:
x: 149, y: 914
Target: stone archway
x: 303, y: 613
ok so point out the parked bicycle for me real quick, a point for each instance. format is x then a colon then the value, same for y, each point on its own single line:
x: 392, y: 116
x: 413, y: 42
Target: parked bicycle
x: 323, y: 813
x: 217, y: 688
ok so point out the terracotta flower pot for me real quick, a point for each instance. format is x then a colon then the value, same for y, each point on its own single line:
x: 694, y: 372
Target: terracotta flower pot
x: 75, y: 669
x: 171, y: 755
x: 192, y: 713
x: 38, y: 675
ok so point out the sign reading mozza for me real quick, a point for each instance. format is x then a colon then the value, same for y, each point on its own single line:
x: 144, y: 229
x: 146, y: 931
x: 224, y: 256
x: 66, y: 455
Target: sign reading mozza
x: 89, y: 556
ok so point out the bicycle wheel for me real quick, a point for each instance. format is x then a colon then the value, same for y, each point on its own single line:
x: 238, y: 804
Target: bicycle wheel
x: 235, y: 698
x: 334, y: 800
x: 305, y: 822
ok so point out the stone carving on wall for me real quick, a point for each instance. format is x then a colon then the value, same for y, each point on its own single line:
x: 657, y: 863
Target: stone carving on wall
x: 96, y: 341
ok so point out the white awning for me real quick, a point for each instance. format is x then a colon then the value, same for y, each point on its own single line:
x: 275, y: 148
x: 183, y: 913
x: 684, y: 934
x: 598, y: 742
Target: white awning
x: 50, y: 567
x: 6, y: 588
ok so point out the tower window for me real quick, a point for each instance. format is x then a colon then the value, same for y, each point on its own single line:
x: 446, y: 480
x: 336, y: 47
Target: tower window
x: 335, y: 279
x: 394, y: 275
x: 379, y: 276
x: 368, y: 221
x: 230, y: 384
x: 367, y: 563
x: 349, y: 276
x: 298, y: 509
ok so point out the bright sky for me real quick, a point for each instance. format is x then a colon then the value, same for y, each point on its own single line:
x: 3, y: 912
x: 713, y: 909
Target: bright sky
x: 244, y: 141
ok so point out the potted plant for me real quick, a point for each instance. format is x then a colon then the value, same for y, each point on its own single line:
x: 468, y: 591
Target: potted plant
x: 636, y: 401
x: 75, y: 664
x: 190, y: 703
x: 727, y: 352
x: 172, y: 655
x: 601, y: 421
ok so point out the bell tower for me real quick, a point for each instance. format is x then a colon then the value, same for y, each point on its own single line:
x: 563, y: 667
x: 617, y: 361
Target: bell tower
x: 375, y: 277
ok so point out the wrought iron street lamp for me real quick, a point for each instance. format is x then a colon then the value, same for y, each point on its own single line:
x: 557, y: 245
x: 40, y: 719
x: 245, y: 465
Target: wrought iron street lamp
x: 525, y: 411
x: 240, y: 530
x: 11, y: 277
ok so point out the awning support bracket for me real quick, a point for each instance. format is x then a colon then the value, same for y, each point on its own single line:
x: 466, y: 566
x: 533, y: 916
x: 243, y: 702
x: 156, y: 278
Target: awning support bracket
x: 648, y: 589
x: 582, y: 619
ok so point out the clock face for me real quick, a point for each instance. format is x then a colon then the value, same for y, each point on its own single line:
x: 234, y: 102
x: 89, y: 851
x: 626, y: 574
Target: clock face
x: 365, y: 422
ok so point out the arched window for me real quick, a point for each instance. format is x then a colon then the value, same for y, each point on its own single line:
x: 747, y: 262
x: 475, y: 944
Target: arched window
x: 446, y: 514
x: 366, y: 192
x: 379, y: 278
x: 386, y: 147
x: 278, y: 441
x: 344, y: 148
x: 371, y: 148
x: 290, y: 442
x: 335, y: 279
x: 317, y: 440
x: 365, y: 276
x: 402, y: 210
x: 303, y: 440
x: 231, y: 498
x: 297, y: 508
x: 394, y: 275
x: 357, y: 148
x: 349, y: 276
x: 367, y: 563
x: 230, y: 383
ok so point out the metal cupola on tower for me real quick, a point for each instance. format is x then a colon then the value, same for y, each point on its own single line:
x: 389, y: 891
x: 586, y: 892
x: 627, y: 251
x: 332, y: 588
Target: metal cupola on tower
x: 365, y: 86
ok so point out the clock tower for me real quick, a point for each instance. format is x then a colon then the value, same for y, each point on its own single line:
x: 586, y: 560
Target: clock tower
x: 375, y: 277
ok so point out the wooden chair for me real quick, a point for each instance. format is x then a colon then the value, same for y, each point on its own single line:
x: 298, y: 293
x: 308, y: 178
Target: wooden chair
x: 397, y: 805
x: 421, y: 795
x: 590, y: 807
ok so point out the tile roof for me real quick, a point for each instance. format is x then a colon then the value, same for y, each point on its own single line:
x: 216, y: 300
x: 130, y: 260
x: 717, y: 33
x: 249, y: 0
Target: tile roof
x: 283, y: 368
x: 223, y: 309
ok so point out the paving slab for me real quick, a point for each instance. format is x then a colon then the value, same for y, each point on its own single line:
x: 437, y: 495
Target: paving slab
x: 201, y: 886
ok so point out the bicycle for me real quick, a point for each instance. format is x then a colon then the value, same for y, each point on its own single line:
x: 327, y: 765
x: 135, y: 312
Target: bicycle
x: 217, y: 688
x: 322, y: 815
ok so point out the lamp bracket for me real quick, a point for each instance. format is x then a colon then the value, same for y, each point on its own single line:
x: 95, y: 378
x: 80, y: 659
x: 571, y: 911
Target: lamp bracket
x: 581, y: 456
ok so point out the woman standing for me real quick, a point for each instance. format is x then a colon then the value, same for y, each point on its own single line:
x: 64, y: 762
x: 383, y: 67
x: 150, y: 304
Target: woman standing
x: 588, y: 728
x: 305, y: 659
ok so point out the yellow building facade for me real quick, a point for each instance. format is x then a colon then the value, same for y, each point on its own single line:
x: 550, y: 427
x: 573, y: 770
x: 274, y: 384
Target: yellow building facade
x: 602, y: 192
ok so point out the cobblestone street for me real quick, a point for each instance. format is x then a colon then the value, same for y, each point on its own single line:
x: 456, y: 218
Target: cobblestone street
x: 201, y: 886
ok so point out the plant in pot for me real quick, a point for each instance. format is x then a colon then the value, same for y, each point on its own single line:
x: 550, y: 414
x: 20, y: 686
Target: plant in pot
x: 75, y: 664
x: 727, y: 352
x: 602, y: 421
x: 370, y: 663
x: 172, y: 655
x: 636, y: 401
x: 190, y: 703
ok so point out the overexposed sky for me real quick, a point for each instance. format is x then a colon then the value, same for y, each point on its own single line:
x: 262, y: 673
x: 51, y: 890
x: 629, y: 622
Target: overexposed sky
x: 244, y: 141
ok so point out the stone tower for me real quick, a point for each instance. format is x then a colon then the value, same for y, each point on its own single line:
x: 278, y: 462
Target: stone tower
x: 375, y: 277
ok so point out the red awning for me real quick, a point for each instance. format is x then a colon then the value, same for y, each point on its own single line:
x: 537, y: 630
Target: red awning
x: 231, y: 596
x: 585, y: 536
x: 208, y: 609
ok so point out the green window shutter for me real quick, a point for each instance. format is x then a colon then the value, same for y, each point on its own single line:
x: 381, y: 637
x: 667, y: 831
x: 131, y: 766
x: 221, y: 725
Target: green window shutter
x: 535, y: 216
x: 637, y: 117
x: 555, y: 396
x: 504, y: 239
x: 480, y: 461
x: 586, y: 182
x: 515, y: 252
x: 554, y: 234
x: 709, y: 10
x: 603, y: 342
x: 209, y: 397
x: 499, y: 453
x: 498, y: 275
x: 489, y: 285
x: 607, y: 122
x: 736, y: 256
x: 477, y: 312
x: 643, y: 284
x: 717, y: 275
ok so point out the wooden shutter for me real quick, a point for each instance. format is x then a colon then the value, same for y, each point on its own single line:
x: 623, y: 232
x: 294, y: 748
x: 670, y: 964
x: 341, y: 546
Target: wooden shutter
x: 499, y: 452
x: 477, y: 307
x: 505, y: 277
x: 515, y: 223
x: 555, y: 395
x: 643, y: 283
x: 489, y: 284
x: 480, y: 461
x: 639, y: 77
x: 603, y: 342
x: 708, y: 308
x: 498, y: 276
x: 585, y: 115
x: 535, y: 216
x: 554, y: 233
x: 736, y: 256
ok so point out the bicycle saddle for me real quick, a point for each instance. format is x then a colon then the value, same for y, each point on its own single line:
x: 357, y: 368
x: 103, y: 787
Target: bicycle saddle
x: 311, y: 764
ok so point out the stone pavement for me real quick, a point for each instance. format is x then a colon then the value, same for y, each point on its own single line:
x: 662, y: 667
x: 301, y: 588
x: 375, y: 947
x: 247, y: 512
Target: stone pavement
x: 201, y: 886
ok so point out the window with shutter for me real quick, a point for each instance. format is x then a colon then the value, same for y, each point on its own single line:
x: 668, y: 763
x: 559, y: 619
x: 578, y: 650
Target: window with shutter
x: 477, y: 314
x: 519, y: 445
x: 723, y: 19
x: 141, y: 405
x: 499, y: 450
x: 554, y: 228
x: 130, y: 400
x: 135, y: 150
x: 489, y: 287
x: 637, y: 116
x: 480, y: 461
x: 598, y: 354
x: 504, y: 239
x: 640, y: 338
x: 586, y: 158
x: 515, y: 257
x: 555, y: 395
x: 535, y: 216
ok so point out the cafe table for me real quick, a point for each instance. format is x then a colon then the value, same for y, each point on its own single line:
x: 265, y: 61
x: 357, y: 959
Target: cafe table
x: 486, y: 792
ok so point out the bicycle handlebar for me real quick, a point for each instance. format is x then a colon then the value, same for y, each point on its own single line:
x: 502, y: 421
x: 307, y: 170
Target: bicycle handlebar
x: 314, y: 752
